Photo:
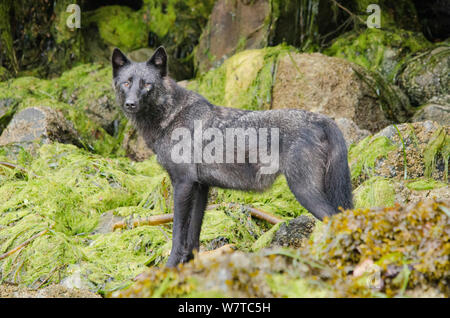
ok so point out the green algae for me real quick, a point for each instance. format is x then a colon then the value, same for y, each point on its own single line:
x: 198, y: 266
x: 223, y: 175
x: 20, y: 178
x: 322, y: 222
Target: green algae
x: 439, y: 145
x: 66, y: 190
x: 243, y: 81
x: 376, y: 191
x: 378, y: 50
x: 362, y: 156
x: 424, y: 184
x: 120, y: 26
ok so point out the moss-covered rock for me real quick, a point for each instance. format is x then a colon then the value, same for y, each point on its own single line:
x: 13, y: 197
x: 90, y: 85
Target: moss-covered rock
x: 426, y: 75
x: 387, y: 252
x: 407, y: 151
x: 120, y: 26
x: 85, y: 98
x: 378, y: 50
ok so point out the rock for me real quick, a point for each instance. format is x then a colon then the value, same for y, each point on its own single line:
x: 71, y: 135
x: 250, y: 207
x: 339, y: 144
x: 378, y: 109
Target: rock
x: 330, y: 86
x: 423, y: 153
x: 39, y: 123
x: 232, y: 24
x: 295, y: 232
x: 351, y: 131
x: 426, y: 75
x: 436, y: 109
x: 135, y: 146
x: 240, y: 25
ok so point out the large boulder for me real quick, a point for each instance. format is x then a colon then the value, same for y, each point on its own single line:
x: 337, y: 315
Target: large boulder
x: 40, y: 124
x: 337, y: 88
x: 426, y: 75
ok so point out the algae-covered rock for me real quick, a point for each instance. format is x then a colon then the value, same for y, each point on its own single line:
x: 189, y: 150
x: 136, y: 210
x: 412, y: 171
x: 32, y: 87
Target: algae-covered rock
x: 85, y: 97
x: 244, y: 81
x: 426, y: 75
x: 39, y: 123
x: 361, y: 252
x: 378, y: 50
x: 120, y: 26
x: 52, y: 291
x: 407, y: 247
x: 406, y: 151
x: 231, y: 275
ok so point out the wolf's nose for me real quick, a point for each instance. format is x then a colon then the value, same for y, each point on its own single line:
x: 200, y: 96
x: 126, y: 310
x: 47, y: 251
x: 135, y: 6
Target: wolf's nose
x: 130, y: 104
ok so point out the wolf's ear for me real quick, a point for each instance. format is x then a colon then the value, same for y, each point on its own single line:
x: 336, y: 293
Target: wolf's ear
x: 159, y: 60
x: 118, y: 60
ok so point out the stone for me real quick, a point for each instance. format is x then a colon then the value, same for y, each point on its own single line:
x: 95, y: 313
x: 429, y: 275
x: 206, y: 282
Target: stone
x: 41, y: 124
x: 327, y: 85
x: 426, y: 75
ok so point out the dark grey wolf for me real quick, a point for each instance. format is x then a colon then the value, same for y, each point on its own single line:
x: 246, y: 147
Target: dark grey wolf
x: 312, y: 149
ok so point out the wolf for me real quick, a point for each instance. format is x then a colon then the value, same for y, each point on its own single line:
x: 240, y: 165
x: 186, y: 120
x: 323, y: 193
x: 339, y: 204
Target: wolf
x: 312, y: 150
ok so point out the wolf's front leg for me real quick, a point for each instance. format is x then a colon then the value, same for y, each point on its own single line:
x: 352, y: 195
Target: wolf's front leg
x: 195, y: 225
x: 183, y: 199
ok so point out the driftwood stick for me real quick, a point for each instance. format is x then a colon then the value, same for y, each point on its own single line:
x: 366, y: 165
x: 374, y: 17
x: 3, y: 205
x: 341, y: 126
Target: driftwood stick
x: 14, y: 166
x: 166, y: 218
x: 21, y: 246
x: 272, y: 219
x: 151, y: 220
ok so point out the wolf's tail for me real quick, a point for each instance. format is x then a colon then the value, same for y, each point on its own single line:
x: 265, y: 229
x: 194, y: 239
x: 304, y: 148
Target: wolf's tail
x: 338, y: 185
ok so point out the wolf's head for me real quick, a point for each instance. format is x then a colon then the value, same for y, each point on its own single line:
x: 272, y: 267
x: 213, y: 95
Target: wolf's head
x: 138, y: 85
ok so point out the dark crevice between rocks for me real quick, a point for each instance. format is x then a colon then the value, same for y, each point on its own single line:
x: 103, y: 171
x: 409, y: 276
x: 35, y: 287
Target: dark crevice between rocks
x: 95, y: 4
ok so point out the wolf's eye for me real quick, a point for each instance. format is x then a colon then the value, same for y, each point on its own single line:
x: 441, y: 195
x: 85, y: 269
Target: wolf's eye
x: 148, y: 85
x: 126, y: 84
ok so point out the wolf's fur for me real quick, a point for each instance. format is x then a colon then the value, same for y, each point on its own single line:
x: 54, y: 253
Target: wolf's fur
x: 313, y: 153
